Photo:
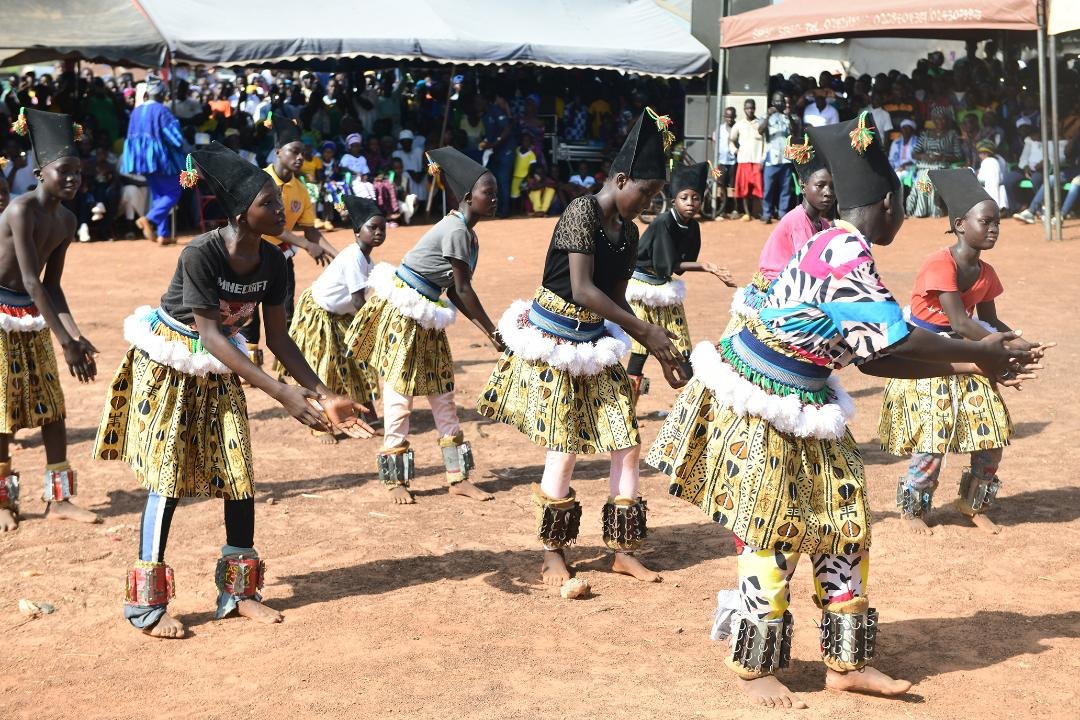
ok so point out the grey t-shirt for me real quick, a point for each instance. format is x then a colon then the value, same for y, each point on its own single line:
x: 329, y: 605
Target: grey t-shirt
x: 448, y: 238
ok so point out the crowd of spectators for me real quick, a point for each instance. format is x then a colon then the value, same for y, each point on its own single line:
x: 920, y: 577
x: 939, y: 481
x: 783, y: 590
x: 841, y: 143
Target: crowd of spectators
x: 982, y: 113
x: 365, y: 132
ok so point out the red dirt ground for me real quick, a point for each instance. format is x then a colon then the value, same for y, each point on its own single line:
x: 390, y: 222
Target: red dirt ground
x: 434, y: 610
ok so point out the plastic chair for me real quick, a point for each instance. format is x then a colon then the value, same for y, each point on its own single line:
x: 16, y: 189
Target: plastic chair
x: 203, y: 201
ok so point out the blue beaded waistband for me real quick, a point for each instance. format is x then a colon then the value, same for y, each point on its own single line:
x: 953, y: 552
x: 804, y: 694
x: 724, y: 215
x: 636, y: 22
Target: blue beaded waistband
x: 929, y: 325
x: 647, y: 277
x: 14, y: 299
x: 764, y: 360
x: 564, y: 327
x: 419, y: 283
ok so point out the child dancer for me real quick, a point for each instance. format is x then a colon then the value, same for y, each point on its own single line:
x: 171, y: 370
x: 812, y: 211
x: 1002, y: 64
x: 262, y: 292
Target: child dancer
x: 176, y: 413
x: 794, y: 230
x: 325, y: 311
x: 758, y: 439
x: 559, y: 381
x: 401, y: 331
x: 299, y: 217
x: 35, y: 232
x: 670, y: 246
x: 929, y: 417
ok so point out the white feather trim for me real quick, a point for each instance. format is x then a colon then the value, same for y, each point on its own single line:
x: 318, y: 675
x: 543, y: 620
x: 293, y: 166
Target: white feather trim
x: 786, y: 413
x: 173, y: 353
x: 584, y: 358
x: 666, y: 295
x: 410, y: 303
x: 26, y: 323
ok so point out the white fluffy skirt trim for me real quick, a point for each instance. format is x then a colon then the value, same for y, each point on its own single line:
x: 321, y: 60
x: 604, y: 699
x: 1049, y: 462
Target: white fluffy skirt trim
x: 176, y: 354
x: 580, y: 359
x: 430, y: 315
x: 670, y: 293
x: 786, y: 413
x: 24, y: 323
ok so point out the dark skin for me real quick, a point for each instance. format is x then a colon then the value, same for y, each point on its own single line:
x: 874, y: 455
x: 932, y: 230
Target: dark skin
x: 620, y: 198
x: 687, y: 205
x: 478, y: 203
x: 312, y: 403
x: 35, y: 233
x: 287, y: 163
x: 921, y: 354
x: 819, y: 199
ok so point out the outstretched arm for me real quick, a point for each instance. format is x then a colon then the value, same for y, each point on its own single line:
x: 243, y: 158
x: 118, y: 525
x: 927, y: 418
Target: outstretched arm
x: 464, y: 298
x: 47, y: 295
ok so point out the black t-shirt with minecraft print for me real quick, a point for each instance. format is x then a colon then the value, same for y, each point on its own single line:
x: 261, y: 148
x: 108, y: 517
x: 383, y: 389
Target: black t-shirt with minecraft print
x: 203, y: 280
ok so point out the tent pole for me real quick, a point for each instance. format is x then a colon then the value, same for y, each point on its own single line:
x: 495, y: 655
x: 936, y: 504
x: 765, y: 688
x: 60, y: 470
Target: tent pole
x: 1043, y: 112
x: 1055, y: 143
x: 445, y: 121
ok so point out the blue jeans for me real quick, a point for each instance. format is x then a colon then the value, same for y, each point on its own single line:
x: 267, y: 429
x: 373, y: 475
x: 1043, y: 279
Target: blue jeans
x: 1066, y: 205
x: 164, y: 194
x: 776, y: 198
x: 1013, y: 178
x: 501, y: 165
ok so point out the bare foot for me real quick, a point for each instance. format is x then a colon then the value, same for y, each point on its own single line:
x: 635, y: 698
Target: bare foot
x: 166, y: 627
x: 7, y: 520
x: 467, y: 489
x: 324, y: 438
x: 67, y: 510
x: 867, y: 680
x: 255, y: 610
x: 985, y: 524
x: 165, y: 241
x: 915, y: 525
x: 400, y: 495
x: 627, y: 564
x: 554, y: 572
x: 770, y: 692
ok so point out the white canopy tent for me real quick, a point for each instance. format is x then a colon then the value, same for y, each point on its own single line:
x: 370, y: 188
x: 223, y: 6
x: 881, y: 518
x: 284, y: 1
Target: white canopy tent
x: 630, y: 36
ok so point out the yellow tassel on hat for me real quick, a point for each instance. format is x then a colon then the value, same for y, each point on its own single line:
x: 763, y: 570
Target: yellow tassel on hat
x: 861, y: 136
x: 19, y: 127
x: 663, y: 124
x: 799, y: 154
x: 189, y: 177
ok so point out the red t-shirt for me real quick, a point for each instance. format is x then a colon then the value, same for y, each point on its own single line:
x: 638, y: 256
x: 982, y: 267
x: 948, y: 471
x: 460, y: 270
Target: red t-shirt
x: 938, y: 275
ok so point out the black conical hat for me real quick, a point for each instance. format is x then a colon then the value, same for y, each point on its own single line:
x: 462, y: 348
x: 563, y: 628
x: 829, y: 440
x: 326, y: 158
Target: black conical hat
x: 960, y: 189
x: 234, y: 180
x: 861, y: 171
x: 690, y: 176
x: 643, y: 156
x: 805, y: 157
x: 52, y: 135
x: 458, y: 171
x: 285, y: 130
x: 360, y: 210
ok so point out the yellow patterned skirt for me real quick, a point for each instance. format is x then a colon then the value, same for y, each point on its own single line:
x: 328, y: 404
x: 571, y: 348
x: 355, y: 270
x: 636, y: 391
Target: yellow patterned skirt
x: 320, y: 336
x: 771, y: 489
x: 571, y: 397
x: 32, y: 395
x: 670, y: 317
x: 183, y: 434
x: 960, y: 414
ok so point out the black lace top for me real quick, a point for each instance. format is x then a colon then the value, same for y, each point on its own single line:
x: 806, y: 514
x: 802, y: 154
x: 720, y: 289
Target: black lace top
x: 580, y: 230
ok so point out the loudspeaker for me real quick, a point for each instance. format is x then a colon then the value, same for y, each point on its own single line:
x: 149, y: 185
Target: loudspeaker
x: 705, y: 24
x: 698, y: 115
x: 747, y: 67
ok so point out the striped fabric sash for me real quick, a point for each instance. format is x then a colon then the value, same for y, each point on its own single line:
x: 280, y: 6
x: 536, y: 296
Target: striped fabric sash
x: 564, y: 327
x: 419, y: 283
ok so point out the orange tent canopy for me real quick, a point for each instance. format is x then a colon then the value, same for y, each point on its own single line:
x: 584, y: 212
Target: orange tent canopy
x: 795, y: 20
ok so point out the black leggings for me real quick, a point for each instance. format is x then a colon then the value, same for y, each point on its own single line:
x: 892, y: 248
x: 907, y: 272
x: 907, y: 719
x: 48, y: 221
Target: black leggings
x: 157, y: 519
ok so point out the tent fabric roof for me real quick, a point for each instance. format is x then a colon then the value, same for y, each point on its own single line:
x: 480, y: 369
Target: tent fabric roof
x: 1064, y: 16
x: 632, y: 36
x: 844, y: 18
x: 112, y: 31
